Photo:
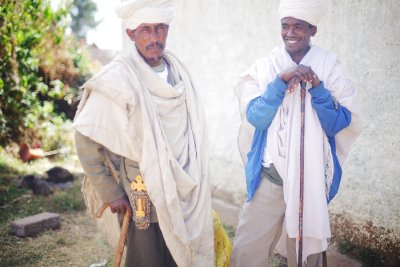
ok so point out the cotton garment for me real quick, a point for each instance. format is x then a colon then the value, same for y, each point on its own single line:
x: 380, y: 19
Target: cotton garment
x: 310, y: 11
x: 260, y: 227
x: 135, y: 12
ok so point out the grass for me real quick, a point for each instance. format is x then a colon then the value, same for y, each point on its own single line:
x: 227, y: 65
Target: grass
x: 77, y: 243
x: 10, y: 169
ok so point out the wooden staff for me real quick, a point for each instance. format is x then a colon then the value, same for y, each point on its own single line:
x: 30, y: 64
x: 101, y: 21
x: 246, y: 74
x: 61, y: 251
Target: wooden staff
x: 324, y: 260
x: 302, y: 121
x: 122, y: 236
x: 301, y: 202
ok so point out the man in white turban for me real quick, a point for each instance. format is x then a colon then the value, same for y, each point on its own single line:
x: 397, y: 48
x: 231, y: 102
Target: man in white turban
x: 141, y: 116
x: 269, y: 140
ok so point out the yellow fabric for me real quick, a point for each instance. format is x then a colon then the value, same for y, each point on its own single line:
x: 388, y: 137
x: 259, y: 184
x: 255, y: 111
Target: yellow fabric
x: 222, y: 244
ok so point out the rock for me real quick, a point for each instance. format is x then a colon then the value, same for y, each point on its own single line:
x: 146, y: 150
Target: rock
x: 35, y: 224
x: 41, y: 187
x: 37, y: 184
x: 59, y: 175
x: 26, y: 181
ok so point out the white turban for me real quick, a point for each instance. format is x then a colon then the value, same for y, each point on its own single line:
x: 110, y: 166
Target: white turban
x: 310, y: 11
x: 136, y: 12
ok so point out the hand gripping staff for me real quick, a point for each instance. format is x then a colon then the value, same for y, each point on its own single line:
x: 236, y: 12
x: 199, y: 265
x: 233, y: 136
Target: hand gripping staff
x: 301, y: 203
x: 122, y: 236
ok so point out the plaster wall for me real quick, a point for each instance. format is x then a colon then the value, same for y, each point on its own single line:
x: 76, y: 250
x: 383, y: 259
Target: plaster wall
x: 218, y: 40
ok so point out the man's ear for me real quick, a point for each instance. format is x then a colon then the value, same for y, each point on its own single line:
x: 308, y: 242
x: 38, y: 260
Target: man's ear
x: 314, y: 31
x: 131, y: 34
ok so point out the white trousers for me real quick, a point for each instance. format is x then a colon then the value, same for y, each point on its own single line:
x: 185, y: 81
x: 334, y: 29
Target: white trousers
x: 260, y: 227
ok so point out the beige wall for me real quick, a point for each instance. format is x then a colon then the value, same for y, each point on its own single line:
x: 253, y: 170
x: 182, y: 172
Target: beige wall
x: 219, y: 39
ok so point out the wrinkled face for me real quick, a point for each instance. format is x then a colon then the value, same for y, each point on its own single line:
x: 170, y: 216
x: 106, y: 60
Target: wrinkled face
x: 150, y: 40
x: 296, y: 35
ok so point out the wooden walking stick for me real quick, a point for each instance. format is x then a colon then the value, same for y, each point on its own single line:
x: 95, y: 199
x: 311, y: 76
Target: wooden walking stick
x: 122, y: 236
x: 324, y: 260
x: 302, y: 118
x: 301, y: 203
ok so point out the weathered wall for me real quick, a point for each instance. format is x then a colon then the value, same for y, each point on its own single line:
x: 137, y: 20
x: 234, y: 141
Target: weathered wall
x: 219, y: 39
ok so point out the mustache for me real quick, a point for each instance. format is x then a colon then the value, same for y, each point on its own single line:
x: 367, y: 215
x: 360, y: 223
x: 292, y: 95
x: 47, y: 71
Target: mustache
x: 156, y: 44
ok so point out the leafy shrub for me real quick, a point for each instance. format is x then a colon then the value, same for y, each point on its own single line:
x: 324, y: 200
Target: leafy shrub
x: 41, y: 68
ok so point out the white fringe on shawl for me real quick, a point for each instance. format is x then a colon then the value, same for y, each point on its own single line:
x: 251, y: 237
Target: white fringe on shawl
x: 283, y: 138
x: 126, y: 120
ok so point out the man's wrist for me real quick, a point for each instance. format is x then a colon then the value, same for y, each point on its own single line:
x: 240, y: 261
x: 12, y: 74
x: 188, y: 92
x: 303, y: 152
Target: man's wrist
x: 319, y: 91
x: 279, y: 84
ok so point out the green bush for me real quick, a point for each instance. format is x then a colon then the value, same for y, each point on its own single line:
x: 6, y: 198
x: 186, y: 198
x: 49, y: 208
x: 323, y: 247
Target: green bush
x: 40, y: 69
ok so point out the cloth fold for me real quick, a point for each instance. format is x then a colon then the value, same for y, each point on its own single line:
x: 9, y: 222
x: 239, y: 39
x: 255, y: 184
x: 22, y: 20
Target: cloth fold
x: 136, y: 12
x: 310, y: 11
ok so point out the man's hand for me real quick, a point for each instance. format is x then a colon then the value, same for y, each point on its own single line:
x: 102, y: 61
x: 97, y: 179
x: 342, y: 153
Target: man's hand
x: 295, y: 75
x: 120, y: 206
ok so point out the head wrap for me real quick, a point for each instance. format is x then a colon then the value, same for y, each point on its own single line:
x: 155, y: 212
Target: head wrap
x: 308, y: 10
x: 136, y: 12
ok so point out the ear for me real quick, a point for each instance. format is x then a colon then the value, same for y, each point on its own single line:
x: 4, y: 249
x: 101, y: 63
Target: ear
x: 131, y: 34
x: 314, y: 30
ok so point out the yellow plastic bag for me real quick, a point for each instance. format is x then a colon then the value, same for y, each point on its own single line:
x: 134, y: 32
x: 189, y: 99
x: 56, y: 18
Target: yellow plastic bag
x: 222, y: 244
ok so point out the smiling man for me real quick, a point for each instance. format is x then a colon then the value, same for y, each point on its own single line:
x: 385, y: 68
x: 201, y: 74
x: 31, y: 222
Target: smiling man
x: 141, y: 115
x: 269, y: 140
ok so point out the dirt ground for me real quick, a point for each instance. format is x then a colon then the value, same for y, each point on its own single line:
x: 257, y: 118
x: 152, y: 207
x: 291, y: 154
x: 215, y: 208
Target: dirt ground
x: 229, y: 215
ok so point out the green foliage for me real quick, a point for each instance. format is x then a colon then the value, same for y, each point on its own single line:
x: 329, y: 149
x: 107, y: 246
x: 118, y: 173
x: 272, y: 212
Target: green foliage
x: 40, y: 69
x: 82, y: 14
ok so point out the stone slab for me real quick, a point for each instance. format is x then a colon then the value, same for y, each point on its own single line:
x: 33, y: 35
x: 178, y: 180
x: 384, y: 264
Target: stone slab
x: 35, y: 224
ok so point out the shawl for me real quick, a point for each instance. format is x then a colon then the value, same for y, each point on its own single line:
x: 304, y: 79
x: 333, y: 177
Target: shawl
x: 127, y: 108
